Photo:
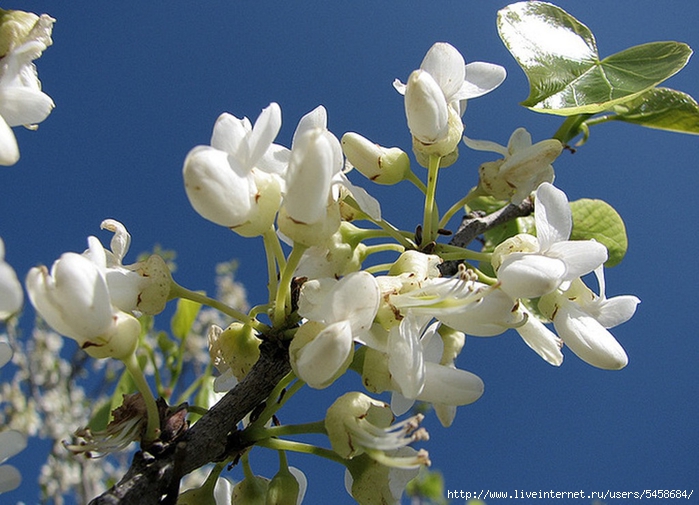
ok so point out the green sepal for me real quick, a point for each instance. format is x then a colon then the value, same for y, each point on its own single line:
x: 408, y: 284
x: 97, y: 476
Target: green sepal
x: 596, y: 219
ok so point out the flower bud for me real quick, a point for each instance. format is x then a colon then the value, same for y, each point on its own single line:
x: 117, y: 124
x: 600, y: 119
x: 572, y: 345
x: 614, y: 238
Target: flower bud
x: 250, y: 491
x: 283, y: 488
x: 240, y: 348
x: 379, y: 164
x: 319, y: 354
x: 376, y: 376
x: 14, y: 28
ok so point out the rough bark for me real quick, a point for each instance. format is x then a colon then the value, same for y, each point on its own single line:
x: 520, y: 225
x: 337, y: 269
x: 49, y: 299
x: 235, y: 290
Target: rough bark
x: 155, y: 473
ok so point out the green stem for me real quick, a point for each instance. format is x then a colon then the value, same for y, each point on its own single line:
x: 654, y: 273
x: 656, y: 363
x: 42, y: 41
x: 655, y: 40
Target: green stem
x: 253, y: 435
x: 153, y: 426
x: 450, y: 252
x: 429, y: 234
x: 287, y: 445
x: 282, y: 302
x: 416, y: 181
x: 177, y: 291
x: 379, y: 248
x: 570, y: 128
x: 275, y: 256
x: 460, y: 205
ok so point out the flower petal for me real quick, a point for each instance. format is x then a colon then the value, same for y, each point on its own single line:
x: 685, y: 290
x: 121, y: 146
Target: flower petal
x: 24, y: 106
x: 554, y: 220
x: 11, y: 443
x: 9, y: 150
x: 215, y: 190
x: 263, y: 133
x: 447, y: 66
x: 426, y: 108
x: 481, y: 78
x: 5, y: 353
x: 588, y: 339
x: 580, y: 256
x: 541, y: 340
x: 525, y: 275
x: 10, y: 478
x: 616, y: 310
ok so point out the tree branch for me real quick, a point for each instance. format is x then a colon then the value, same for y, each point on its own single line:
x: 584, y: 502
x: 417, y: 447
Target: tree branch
x: 155, y: 472
x: 475, y: 224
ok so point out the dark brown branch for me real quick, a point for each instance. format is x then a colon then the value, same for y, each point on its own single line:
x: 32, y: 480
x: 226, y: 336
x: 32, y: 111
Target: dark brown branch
x: 475, y: 224
x: 155, y: 474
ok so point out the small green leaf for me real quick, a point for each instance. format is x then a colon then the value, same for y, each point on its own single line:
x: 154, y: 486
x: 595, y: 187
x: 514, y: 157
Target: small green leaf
x: 661, y: 108
x: 184, y: 317
x: 596, y: 219
x: 566, y: 76
x: 101, y: 417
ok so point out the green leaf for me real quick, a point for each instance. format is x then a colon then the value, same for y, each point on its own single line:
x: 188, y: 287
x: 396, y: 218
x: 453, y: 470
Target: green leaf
x: 184, y: 317
x: 661, y: 108
x: 566, y: 76
x: 596, y: 219
x: 101, y: 417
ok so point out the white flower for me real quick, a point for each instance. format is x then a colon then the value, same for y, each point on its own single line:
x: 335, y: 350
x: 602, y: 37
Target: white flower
x: 440, y: 88
x: 143, y: 286
x: 369, y: 481
x: 380, y: 164
x: 22, y: 102
x: 444, y: 385
x: 339, y: 313
x: 581, y: 319
x: 74, y: 299
x: 237, y: 181
x: 523, y: 168
x: 11, y: 443
x: 357, y: 424
x: 551, y: 260
x: 11, y: 294
x: 310, y: 213
x: 540, y: 339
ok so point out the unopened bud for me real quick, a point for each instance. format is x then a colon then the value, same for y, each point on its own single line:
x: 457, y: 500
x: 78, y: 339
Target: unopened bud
x: 240, y: 348
x: 283, y: 489
x: 380, y: 164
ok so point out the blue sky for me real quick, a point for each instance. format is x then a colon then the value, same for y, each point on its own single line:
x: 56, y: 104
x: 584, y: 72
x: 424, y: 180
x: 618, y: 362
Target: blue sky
x: 138, y: 84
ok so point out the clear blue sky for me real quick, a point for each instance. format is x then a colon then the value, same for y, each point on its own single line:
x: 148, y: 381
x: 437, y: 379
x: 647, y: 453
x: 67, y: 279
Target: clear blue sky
x: 138, y: 84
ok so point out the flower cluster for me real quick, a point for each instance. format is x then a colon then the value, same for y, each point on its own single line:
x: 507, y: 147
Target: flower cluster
x: 400, y: 324
x: 402, y: 330
x: 23, y: 37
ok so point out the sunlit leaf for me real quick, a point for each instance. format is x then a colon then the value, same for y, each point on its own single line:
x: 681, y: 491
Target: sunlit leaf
x: 184, y: 317
x: 596, y: 219
x: 661, y: 108
x: 566, y: 76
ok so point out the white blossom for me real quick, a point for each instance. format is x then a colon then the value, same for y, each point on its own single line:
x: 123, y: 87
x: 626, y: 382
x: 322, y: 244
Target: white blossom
x: 554, y: 261
x: 21, y: 100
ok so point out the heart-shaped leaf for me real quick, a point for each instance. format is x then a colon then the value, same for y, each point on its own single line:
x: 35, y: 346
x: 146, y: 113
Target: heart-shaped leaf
x: 661, y: 108
x: 596, y: 219
x: 566, y: 76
